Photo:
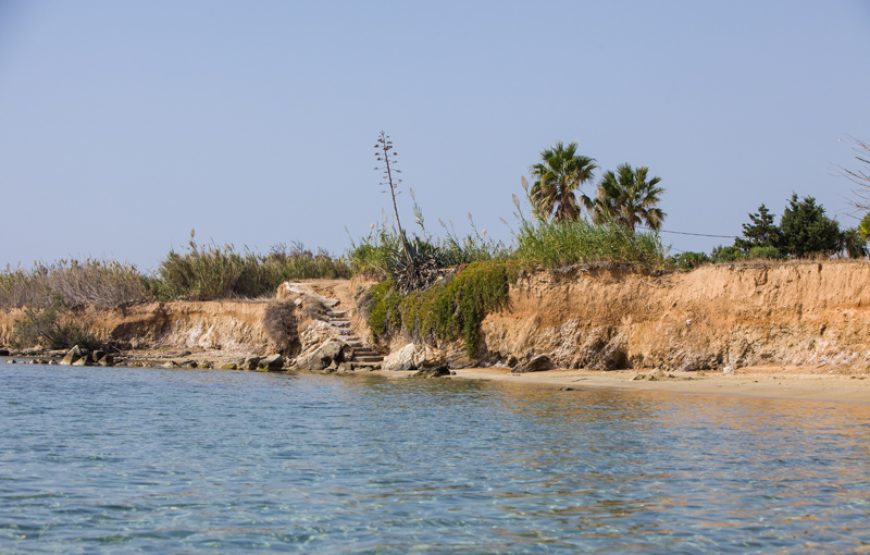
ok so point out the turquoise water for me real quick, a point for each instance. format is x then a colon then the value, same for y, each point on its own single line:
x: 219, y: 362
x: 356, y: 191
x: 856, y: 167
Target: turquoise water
x: 99, y: 460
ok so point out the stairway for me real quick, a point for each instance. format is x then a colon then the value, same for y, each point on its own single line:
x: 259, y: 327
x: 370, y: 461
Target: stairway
x: 363, y: 357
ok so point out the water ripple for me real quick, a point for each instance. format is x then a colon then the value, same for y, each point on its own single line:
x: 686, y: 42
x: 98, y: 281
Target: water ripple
x: 100, y: 460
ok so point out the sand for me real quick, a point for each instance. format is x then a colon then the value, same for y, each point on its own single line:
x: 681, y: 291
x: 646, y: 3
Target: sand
x: 760, y: 382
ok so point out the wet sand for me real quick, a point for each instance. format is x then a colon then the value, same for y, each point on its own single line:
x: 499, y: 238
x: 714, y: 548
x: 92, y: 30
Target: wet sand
x: 760, y: 382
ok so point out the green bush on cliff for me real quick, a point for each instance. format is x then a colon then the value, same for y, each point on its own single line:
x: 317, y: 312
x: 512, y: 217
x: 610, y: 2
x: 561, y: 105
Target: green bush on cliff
x: 446, y: 311
x: 44, y: 327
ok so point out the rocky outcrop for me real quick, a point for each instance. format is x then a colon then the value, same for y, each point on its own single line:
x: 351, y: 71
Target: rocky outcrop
x: 415, y: 356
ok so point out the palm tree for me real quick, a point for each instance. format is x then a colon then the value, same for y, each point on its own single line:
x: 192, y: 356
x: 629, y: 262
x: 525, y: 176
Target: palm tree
x: 560, y: 172
x: 628, y: 197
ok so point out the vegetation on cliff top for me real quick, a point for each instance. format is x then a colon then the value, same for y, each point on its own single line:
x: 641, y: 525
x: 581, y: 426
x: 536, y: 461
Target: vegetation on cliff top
x: 450, y: 310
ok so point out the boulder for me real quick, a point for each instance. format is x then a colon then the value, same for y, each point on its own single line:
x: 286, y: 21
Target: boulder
x: 82, y: 361
x: 534, y: 364
x: 401, y: 360
x: 229, y: 366
x: 73, y: 355
x: 272, y: 363
x: 96, y: 356
x: 323, y: 356
x: 250, y: 363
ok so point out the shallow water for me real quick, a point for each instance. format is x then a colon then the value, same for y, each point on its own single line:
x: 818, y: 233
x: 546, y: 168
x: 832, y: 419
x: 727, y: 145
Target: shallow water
x: 167, y: 461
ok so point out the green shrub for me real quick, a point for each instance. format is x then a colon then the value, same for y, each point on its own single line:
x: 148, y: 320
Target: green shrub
x: 689, y: 260
x: 553, y: 245
x: 211, y: 272
x: 446, y: 311
x: 764, y: 252
x: 44, y: 327
x: 380, y: 254
x: 726, y: 253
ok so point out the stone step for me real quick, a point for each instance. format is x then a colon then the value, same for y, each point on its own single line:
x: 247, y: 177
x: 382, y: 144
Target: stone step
x: 365, y: 365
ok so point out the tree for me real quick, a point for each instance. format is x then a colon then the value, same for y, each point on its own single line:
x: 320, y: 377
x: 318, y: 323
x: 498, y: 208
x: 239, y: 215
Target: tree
x: 864, y: 227
x: 761, y: 231
x: 806, y: 230
x: 629, y: 197
x: 854, y: 244
x: 558, y: 175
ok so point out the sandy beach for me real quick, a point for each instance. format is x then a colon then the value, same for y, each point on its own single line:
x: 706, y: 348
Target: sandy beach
x: 760, y: 382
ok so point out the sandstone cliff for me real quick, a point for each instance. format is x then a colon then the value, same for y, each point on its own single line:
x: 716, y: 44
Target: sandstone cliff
x: 800, y: 313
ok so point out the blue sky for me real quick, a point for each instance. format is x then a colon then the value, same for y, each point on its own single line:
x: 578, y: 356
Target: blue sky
x: 123, y: 125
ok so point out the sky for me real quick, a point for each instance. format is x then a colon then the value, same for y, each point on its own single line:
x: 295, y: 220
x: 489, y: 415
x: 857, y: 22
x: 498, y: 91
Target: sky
x: 124, y: 125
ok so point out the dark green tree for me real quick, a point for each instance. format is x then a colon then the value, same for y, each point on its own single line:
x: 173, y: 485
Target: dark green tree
x: 761, y: 231
x: 806, y: 230
x: 628, y: 196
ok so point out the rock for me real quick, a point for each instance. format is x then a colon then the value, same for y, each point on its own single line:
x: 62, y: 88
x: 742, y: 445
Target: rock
x: 434, y: 372
x: 97, y: 355
x: 189, y: 364
x: 401, y: 360
x: 229, y: 366
x: 535, y: 364
x: 250, y: 363
x: 345, y: 367
x: 272, y: 363
x: 107, y: 360
x: 73, y: 355
x: 82, y: 361
x: 52, y: 362
x: 170, y: 364
x: 4, y: 352
x: 183, y: 354
x: 322, y: 356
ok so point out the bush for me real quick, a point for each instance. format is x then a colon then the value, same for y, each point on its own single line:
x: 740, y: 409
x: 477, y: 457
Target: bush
x: 280, y: 324
x: 727, y: 253
x: 44, y: 327
x: 689, y: 260
x: 74, y: 284
x: 764, y: 252
x: 381, y: 256
x: 211, y: 272
x: 553, y: 245
x: 447, y: 311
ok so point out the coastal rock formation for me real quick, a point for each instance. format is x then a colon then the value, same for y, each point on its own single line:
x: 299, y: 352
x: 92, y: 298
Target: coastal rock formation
x: 796, y: 313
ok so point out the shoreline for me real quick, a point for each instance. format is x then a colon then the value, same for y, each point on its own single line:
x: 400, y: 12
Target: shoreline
x: 772, y: 382
x: 808, y: 384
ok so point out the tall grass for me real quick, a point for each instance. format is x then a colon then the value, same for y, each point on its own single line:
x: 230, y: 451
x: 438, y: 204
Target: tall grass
x: 73, y: 284
x: 207, y: 272
x: 555, y: 245
x: 378, y: 254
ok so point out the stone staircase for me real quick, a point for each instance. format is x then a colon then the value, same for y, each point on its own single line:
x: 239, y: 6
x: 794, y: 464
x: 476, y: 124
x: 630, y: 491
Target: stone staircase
x: 363, y: 357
